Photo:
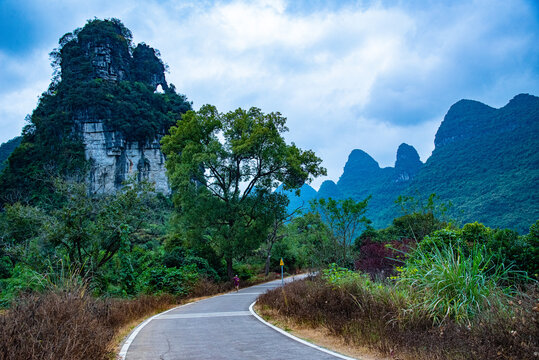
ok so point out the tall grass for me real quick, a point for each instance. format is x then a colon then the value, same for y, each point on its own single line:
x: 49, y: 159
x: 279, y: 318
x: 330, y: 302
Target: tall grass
x: 64, y: 321
x: 447, y: 284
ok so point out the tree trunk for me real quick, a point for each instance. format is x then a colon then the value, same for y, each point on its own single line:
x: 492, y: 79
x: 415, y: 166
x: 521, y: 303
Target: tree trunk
x: 268, y: 258
x: 229, y: 269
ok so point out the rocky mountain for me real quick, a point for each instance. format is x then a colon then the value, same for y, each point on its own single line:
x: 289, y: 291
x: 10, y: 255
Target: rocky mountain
x: 102, y: 118
x: 363, y: 177
x: 407, y: 164
x: 485, y: 163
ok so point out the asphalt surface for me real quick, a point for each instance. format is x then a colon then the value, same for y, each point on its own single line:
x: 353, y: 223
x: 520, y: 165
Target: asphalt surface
x: 217, y: 328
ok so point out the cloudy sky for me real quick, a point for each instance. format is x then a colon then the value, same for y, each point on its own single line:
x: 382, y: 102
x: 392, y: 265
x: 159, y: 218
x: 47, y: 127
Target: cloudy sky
x: 346, y: 74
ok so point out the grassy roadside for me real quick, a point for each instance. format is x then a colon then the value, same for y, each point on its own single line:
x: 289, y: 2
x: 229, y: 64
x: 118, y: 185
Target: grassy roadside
x: 319, y: 336
x: 69, y: 323
x: 375, y: 319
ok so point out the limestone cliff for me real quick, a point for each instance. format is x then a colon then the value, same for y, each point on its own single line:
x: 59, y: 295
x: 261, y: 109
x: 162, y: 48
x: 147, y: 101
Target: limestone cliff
x: 113, y: 156
x: 113, y: 160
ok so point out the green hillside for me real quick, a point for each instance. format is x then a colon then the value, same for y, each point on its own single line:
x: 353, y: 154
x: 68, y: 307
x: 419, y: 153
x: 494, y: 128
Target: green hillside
x: 7, y: 148
x: 485, y: 163
x: 363, y: 177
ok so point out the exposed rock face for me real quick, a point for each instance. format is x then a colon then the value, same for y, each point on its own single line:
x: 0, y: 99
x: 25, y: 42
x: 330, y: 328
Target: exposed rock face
x: 113, y: 160
x: 106, y: 54
x: 101, y: 57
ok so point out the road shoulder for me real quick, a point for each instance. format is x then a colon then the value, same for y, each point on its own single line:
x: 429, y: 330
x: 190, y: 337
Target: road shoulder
x: 320, y: 337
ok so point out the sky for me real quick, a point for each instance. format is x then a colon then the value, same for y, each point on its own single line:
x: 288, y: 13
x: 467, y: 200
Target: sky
x: 366, y: 75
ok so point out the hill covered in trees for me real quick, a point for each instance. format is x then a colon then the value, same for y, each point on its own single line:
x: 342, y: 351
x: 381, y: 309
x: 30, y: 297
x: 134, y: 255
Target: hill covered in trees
x: 103, y: 94
x: 6, y: 149
x: 485, y: 163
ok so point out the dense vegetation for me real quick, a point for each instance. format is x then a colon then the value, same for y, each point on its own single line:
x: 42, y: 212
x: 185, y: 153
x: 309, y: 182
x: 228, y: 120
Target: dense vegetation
x: 458, y: 293
x: 7, y: 148
x: 225, y: 187
x: 486, y: 163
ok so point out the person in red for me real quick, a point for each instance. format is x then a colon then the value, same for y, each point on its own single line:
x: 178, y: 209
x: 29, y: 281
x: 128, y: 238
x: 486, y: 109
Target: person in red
x: 236, y: 280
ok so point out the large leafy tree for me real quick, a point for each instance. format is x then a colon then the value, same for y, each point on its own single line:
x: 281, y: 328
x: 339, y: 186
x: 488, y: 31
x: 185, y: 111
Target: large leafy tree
x: 224, y: 168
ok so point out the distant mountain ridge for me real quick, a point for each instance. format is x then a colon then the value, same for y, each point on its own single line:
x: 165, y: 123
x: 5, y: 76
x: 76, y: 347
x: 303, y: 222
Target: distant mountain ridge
x: 485, y: 162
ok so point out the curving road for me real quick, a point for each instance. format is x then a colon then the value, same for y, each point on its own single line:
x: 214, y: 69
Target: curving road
x: 221, y: 327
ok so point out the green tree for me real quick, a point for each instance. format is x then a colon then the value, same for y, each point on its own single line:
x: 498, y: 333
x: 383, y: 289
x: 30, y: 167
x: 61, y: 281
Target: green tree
x: 91, y: 230
x: 224, y: 168
x: 278, y: 216
x: 311, y: 237
x: 345, y: 219
x: 419, y: 218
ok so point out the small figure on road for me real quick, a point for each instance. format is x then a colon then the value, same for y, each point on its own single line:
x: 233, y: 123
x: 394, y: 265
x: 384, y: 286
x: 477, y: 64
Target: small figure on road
x: 236, y: 280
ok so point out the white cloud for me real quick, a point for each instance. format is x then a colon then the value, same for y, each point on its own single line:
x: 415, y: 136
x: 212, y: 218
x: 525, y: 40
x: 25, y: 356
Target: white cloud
x: 28, y: 78
x: 366, y: 77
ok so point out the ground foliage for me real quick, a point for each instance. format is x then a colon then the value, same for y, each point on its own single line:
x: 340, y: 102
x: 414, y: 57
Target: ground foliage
x: 372, y: 315
x: 69, y: 324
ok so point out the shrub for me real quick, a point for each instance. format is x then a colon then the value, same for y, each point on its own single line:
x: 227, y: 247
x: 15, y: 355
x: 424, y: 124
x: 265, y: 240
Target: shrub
x: 247, y: 271
x: 176, y: 281
x: 507, y: 248
x: 337, y: 275
x: 202, y: 267
x: 5, y: 267
x: 23, y: 279
x: 377, y: 316
x: 379, y: 259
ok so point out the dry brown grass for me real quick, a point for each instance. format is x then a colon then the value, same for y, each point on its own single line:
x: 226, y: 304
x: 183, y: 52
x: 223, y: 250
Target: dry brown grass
x: 320, y: 336
x: 360, y: 318
x: 69, y: 324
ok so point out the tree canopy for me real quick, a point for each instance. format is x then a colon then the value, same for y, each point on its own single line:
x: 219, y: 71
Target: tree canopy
x: 224, y: 168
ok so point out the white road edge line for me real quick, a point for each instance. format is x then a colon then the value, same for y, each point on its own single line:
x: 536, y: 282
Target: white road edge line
x: 134, y: 333
x: 340, y: 356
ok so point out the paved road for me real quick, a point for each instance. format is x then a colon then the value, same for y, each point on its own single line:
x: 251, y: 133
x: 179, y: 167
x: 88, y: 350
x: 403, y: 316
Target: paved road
x: 217, y: 328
